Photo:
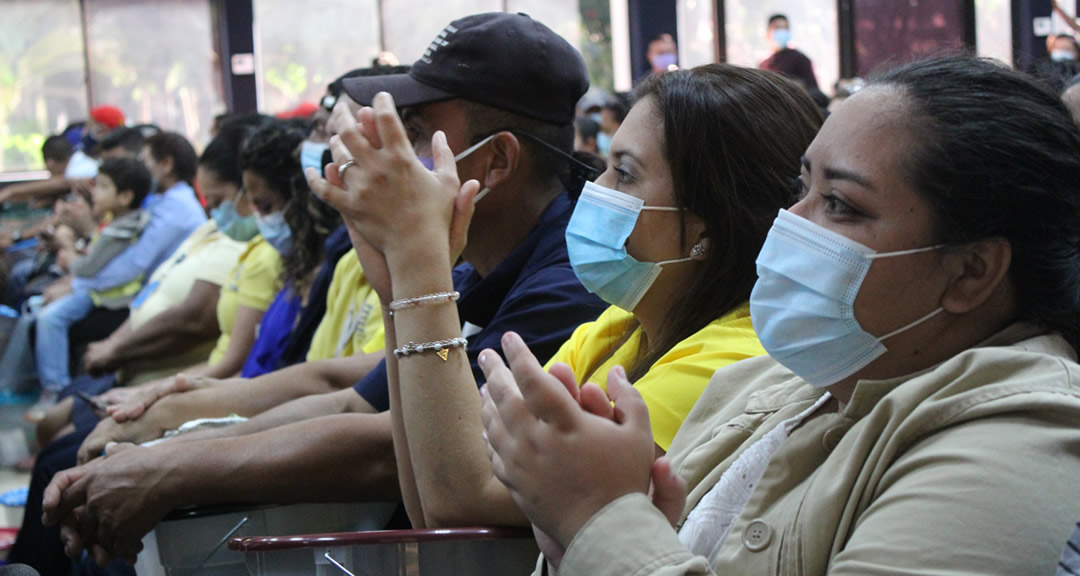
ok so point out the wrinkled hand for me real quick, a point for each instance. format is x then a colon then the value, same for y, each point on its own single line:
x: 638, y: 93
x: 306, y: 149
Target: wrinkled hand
x: 562, y: 464
x: 145, y: 396
x: 99, y: 357
x: 108, y: 505
x: 109, y: 430
x: 118, y: 394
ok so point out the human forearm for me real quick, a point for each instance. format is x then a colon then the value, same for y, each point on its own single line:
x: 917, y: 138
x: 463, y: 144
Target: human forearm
x: 440, y: 409
x: 52, y: 187
x: 170, y: 333
x: 346, y: 457
x: 410, y: 494
x: 288, y: 412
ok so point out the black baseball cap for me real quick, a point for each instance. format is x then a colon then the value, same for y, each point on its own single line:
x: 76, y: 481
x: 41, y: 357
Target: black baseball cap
x: 507, y: 61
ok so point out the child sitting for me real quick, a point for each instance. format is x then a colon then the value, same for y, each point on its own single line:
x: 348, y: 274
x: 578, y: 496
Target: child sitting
x: 119, y: 190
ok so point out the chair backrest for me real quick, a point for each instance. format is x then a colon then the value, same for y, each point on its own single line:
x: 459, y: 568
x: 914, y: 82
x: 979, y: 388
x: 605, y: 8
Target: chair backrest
x: 479, y: 551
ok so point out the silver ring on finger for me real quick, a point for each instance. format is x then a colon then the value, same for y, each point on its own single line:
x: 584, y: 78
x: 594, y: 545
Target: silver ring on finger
x: 341, y: 169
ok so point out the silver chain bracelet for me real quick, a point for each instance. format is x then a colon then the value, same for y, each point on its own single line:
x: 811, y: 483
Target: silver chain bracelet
x: 440, y: 347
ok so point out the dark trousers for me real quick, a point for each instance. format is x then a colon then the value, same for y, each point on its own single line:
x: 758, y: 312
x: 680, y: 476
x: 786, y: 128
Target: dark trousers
x: 37, y: 545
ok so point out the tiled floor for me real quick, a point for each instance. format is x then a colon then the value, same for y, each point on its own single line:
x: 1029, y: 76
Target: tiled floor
x: 11, y: 420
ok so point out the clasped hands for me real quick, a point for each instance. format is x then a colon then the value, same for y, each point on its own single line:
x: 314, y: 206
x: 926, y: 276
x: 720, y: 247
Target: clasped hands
x: 567, y: 452
x: 397, y: 211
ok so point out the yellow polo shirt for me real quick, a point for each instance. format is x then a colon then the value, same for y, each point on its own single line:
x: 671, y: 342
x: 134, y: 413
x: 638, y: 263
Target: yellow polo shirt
x: 253, y: 283
x: 674, y: 383
x: 353, y: 319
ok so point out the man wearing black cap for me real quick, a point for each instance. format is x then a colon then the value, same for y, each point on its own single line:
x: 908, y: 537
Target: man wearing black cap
x: 502, y: 88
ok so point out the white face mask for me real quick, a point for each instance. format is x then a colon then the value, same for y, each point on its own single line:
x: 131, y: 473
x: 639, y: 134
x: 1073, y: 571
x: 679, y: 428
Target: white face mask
x: 802, y: 305
x: 429, y: 163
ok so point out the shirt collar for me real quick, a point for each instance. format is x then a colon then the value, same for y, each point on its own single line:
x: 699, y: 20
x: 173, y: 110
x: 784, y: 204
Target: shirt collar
x: 481, y: 297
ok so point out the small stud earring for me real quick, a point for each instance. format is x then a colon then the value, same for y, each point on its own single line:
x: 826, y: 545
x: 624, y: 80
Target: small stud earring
x: 697, y: 251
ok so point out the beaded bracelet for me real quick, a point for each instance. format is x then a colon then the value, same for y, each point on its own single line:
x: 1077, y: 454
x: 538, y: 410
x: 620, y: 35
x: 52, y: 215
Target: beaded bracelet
x: 440, y: 347
x: 436, y: 298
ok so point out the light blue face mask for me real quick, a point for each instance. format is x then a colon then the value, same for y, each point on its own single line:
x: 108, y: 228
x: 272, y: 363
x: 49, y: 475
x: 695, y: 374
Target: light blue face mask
x: 1062, y: 56
x: 802, y: 305
x: 224, y: 215
x: 311, y: 155
x: 596, y: 243
x: 782, y: 37
x: 230, y: 223
x: 603, y: 143
x: 429, y: 163
x: 275, y: 230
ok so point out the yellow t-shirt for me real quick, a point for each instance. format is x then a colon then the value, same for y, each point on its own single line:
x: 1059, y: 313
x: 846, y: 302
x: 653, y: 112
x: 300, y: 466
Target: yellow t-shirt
x: 675, y: 382
x: 353, y: 319
x: 253, y: 283
x: 205, y: 255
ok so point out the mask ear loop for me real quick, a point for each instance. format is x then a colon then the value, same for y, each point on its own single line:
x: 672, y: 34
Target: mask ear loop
x: 912, y: 324
x: 937, y: 311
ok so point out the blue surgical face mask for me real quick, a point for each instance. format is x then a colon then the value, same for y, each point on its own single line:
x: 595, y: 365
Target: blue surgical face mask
x: 782, y: 37
x: 596, y: 243
x: 232, y: 224
x: 603, y: 143
x: 1062, y: 56
x: 802, y: 305
x: 429, y: 163
x: 311, y: 155
x: 224, y: 215
x: 275, y: 230
x: 665, y: 61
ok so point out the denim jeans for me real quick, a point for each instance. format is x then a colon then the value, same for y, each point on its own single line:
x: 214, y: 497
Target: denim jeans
x: 17, y: 362
x: 51, y: 346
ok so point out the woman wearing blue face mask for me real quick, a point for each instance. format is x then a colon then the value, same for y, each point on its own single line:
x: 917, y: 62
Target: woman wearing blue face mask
x: 669, y: 233
x: 667, y: 236
x: 921, y: 307
x: 286, y: 250
x: 221, y: 182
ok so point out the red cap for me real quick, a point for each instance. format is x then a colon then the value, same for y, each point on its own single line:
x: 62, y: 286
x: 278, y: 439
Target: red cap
x: 303, y: 110
x: 108, y: 116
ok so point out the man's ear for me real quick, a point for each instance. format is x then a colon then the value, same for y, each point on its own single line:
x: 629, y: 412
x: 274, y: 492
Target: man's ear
x: 168, y: 164
x: 504, y: 161
x: 978, y: 270
x: 126, y: 197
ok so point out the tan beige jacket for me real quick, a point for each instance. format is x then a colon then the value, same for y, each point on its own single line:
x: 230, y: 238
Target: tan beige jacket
x: 972, y: 467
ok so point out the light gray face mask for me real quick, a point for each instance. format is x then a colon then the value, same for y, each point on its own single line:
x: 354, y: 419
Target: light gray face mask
x: 429, y: 163
x: 802, y: 305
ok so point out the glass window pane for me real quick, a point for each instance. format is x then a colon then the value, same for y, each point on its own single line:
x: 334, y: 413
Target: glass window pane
x: 697, y: 39
x: 993, y: 29
x: 301, y: 50
x: 41, y: 77
x: 410, y: 25
x: 813, y: 32
x: 886, y: 30
x: 156, y: 62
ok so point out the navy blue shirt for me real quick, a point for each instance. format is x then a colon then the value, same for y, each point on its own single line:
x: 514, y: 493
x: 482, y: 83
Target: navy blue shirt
x: 533, y: 292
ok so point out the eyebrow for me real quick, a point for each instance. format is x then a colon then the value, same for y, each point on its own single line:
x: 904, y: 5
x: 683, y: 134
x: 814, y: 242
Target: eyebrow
x: 840, y: 174
x: 625, y: 154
